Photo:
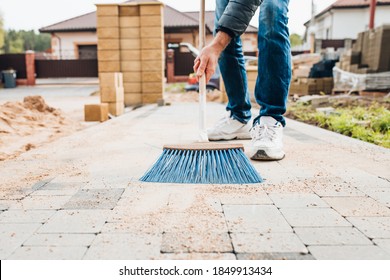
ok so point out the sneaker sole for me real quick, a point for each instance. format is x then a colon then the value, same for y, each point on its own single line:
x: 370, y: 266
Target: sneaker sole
x: 262, y: 155
x: 235, y: 137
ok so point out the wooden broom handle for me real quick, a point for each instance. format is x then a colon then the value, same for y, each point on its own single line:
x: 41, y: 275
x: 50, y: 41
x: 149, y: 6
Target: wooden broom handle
x: 202, y: 81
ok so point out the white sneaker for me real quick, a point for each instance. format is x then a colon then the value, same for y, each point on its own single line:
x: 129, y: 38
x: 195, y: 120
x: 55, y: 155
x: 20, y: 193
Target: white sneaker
x: 267, y: 139
x: 228, y: 128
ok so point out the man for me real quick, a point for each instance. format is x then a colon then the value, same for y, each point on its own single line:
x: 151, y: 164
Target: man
x: 274, y: 73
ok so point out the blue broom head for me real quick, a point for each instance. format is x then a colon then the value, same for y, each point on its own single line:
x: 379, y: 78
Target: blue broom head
x: 203, y: 164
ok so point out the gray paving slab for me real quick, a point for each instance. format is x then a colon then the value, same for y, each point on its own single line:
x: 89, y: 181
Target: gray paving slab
x: 145, y: 202
x: 129, y: 246
x: 296, y: 200
x: 197, y: 256
x: 60, y: 240
x: 313, y: 217
x: 94, y: 199
x: 192, y: 201
x: 5, y: 204
x: 76, y: 221
x: 26, y: 216
x: 267, y: 243
x: 41, y: 184
x: 255, y: 218
x: 189, y: 242
x: 275, y: 256
x: 334, y: 186
x: 12, y: 236
x: 331, y: 236
x: 366, y: 179
x: 54, y: 202
x: 48, y: 253
x: 249, y: 195
x: 61, y: 183
x: 134, y: 224
x: 373, y: 227
x: 383, y: 244
x: 382, y: 195
x: 195, y: 222
x: 369, y: 252
x: 357, y: 206
x: 56, y: 192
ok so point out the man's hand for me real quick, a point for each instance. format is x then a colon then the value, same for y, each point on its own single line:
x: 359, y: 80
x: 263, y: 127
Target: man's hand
x: 207, y: 60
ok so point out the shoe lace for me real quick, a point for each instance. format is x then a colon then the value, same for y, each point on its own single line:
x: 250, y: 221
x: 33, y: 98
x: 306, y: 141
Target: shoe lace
x: 263, y: 133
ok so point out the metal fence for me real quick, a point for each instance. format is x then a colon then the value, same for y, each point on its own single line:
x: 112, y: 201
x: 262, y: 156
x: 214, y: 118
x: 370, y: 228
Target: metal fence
x: 68, y: 68
x: 15, y: 62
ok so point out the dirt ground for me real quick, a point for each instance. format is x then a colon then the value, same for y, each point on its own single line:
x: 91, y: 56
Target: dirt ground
x: 191, y: 96
x: 31, y: 123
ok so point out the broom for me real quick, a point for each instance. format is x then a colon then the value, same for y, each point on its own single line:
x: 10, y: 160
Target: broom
x: 203, y: 162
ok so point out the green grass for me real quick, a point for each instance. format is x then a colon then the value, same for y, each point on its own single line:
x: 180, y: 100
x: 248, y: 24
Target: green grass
x: 370, y: 124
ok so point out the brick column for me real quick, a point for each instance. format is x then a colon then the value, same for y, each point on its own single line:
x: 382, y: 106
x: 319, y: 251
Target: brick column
x: 130, y: 50
x: 30, y: 68
x: 110, y: 79
x: 170, y: 66
x: 152, y: 51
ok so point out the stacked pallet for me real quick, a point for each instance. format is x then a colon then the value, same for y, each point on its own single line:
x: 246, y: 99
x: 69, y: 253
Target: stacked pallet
x: 301, y: 84
x: 369, y: 54
x: 311, y: 86
x: 301, y: 65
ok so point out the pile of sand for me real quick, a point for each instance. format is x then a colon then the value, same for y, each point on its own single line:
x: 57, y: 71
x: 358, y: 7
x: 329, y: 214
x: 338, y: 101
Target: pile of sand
x: 28, y: 124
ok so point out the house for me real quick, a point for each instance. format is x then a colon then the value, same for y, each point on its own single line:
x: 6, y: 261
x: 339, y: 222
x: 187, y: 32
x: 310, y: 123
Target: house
x: 344, y: 19
x: 76, y: 38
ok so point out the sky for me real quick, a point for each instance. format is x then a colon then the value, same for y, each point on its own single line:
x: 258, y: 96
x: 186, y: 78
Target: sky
x: 27, y: 14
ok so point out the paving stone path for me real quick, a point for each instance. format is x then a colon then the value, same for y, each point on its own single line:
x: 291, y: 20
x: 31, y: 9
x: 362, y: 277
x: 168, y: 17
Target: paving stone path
x: 80, y: 198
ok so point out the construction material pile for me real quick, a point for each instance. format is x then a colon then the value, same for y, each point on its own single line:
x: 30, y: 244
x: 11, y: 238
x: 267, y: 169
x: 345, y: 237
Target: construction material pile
x: 301, y: 84
x: 369, y: 54
x: 25, y: 125
x: 367, y: 65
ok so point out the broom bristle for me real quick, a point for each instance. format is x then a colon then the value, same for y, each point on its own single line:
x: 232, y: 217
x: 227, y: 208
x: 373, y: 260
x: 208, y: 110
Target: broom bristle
x: 223, y: 166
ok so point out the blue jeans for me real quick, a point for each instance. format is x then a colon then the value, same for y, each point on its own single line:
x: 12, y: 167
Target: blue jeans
x: 274, y: 65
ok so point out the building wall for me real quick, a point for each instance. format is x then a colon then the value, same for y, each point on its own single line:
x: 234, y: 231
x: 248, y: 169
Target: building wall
x: 180, y: 38
x: 347, y: 23
x: 69, y: 42
x: 65, y: 44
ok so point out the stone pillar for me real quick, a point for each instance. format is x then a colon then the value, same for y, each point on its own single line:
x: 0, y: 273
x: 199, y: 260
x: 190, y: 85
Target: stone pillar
x: 170, y: 66
x: 109, y: 60
x: 131, y: 41
x: 130, y: 50
x: 152, y: 51
x: 30, y: 68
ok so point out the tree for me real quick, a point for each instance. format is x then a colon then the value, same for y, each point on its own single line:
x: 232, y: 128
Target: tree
x: 13, y: 42
x: 42, y: 42
x: 295, y: 40
x: 21, y: 41
x: 1, y: 32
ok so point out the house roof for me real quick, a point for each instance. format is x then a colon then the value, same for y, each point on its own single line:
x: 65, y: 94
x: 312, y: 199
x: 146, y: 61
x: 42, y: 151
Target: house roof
x: 172, y: 19
x: 348, y: 4
x: 86, y: 22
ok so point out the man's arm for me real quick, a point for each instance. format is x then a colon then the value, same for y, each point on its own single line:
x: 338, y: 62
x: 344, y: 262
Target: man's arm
x: 207, y: 60
x: 233, y: 23
x: 237, y: 15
